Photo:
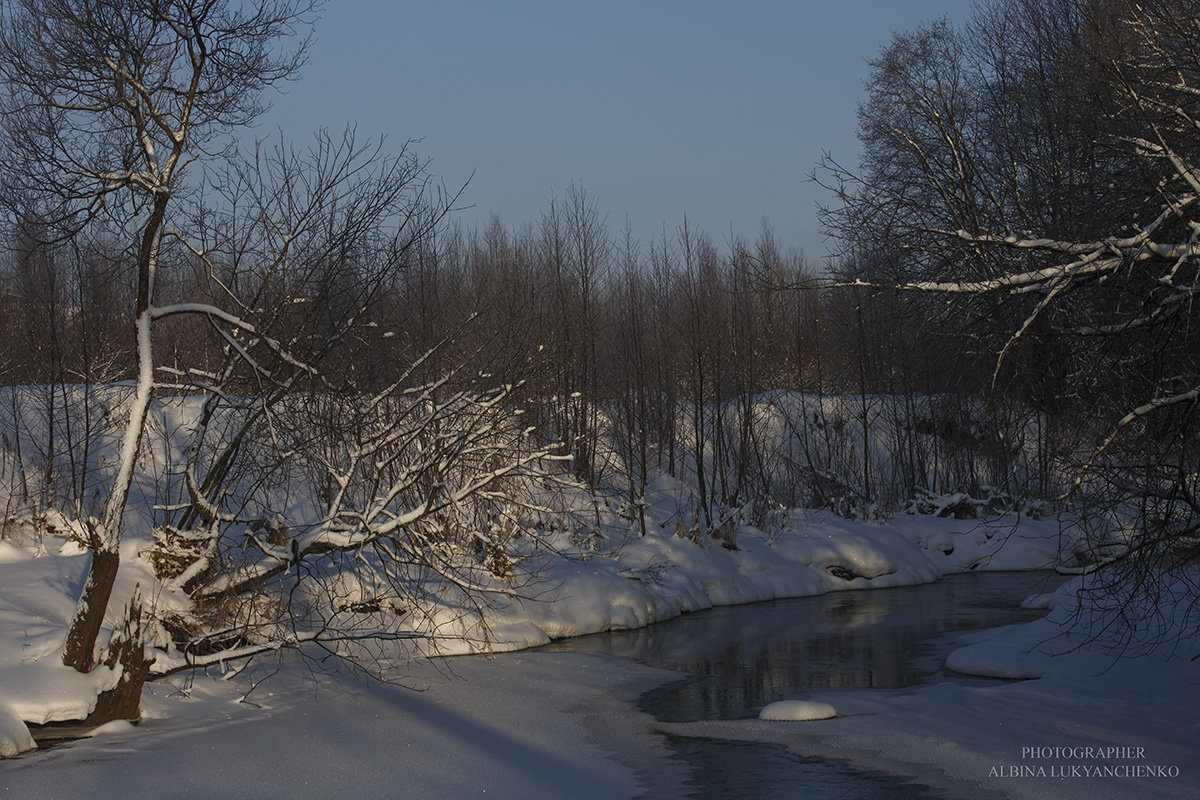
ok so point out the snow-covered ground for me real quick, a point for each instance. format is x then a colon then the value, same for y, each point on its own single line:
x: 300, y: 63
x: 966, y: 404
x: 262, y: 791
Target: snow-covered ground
x: 634, y: 581
x: 535, y: 724
x: 514, y: 727
x: 1087, y: 726
x: 551, y: 725
x: 646, y: 580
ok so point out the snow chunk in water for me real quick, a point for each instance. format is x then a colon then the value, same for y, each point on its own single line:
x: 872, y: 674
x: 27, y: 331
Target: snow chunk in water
x: 797, y: 711
x: 14, y: 735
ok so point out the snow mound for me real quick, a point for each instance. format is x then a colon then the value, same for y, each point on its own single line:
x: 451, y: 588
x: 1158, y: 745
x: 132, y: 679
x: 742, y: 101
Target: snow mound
x: 10, y: 552
x: 14, y: 735
x: 797, y: 711
x: 116, y: 727
x: 998, y: 660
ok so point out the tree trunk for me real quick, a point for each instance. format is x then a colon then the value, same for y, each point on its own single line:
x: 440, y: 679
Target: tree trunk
x: 126, y: 654
x: 89, y: 614
x: 106, y: 536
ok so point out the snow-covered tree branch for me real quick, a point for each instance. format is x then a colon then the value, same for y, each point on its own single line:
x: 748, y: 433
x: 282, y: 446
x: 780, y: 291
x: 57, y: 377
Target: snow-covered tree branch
x: 1032, y: 176
x: 311, y: 456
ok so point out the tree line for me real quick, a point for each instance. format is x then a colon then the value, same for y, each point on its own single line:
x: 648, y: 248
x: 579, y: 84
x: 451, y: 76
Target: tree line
x: 732, y: 366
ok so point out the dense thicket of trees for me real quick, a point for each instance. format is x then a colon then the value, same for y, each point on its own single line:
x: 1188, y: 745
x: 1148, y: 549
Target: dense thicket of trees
x: 702, y: 360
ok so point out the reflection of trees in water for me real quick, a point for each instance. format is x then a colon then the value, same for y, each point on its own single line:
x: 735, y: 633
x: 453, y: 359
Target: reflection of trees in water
x: 746, y: 656
x: 741, y: 679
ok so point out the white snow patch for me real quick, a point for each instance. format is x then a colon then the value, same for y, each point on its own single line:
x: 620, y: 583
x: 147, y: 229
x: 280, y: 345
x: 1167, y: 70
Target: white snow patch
x: 115, y: 728
x: 10, y: 553
x: 512, y: 727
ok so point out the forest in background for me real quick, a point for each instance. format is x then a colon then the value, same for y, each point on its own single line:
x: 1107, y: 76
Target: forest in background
x: 633, y: 358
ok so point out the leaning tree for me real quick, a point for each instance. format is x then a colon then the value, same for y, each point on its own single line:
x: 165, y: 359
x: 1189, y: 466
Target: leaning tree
x: 121, y: 121
x: 107, y: 105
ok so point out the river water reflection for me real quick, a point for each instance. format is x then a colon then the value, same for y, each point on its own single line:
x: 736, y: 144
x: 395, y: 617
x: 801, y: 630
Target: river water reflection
x: 741, y: 658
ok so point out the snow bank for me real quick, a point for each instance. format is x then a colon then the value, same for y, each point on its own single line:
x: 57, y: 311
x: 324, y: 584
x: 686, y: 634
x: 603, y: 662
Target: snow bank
x: 661, y: 576
x: 514, y: 727
x: 37, y: 602
x: 14, y: 735
x: 646, y: 580
x: 50, y: 692
x: 998, y: 660
x: 10, y: 553
x: 503, y: 729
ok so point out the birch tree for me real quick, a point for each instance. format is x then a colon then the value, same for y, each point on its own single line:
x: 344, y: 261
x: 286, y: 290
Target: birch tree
x: 107, y: 105
x: 279, y: 266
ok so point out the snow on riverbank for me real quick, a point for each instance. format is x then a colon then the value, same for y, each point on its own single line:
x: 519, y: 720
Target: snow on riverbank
x: 646, y: 580
x: 515, y: 727
x: 1089, y: 726
x: 662, y: 575
x: 37, y: 600
x: 541, y: 725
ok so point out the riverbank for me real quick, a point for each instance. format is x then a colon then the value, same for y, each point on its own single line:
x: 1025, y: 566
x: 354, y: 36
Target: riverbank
x: 568, y: 590
x: 637, y: 581
x: 517, y: 726
x: 538, y: 724
x: 498, y: 725
x: 1088, y: 726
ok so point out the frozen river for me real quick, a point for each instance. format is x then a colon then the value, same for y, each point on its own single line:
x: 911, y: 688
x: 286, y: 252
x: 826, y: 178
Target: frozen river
x: 740, y: 658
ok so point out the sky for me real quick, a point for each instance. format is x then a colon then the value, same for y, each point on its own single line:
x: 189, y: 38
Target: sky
x: 719, y: 110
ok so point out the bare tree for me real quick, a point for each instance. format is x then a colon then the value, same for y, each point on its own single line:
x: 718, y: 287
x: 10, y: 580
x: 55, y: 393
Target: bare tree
x: 1070, y: 228
x: 263, y: 285
x: 106, y: 105
x: 325, y: 500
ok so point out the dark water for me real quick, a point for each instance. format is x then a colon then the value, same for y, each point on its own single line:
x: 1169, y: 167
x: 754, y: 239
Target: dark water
x: 741, y: 658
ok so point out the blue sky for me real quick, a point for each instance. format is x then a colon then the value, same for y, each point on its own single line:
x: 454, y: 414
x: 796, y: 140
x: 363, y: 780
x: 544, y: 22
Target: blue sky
x: 719, y: 110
